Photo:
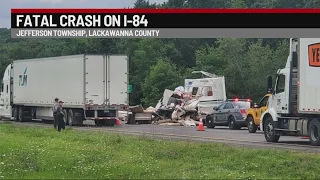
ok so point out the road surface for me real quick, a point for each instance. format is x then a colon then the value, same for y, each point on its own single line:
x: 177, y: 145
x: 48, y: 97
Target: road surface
x: 218, y: 134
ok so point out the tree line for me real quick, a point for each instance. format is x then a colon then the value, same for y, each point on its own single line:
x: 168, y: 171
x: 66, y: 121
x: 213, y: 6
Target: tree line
x: 156, y: 64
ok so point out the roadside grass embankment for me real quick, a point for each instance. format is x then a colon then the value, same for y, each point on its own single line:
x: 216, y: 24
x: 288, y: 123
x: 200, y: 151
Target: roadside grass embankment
x: 28, y: 152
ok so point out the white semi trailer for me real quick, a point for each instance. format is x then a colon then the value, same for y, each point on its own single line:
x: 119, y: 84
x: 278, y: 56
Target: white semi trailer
x: 93, y: 87
x: 294, y: 104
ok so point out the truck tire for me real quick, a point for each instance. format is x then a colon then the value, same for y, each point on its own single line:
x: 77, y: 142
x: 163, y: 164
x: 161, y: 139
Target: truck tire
x: 75, y: 117
x: 65, y: 117
x: 232, y: 123
x: 269, y: 132
x: 21, y: 114
x: 33, y: 113
x: 102, y: 122
x: 16, y: 114
x: 209, y: 121
x: 314, y: 132
x: 97, y: 123
x: 252, y: 127
x: 70, y: 118
x: 112, y: 124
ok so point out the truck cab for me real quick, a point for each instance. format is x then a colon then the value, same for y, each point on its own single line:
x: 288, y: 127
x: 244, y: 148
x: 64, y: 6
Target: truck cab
x: 6, y: 95
x: 274, y: 121
x: 294, y: 108
x: 254, y: 113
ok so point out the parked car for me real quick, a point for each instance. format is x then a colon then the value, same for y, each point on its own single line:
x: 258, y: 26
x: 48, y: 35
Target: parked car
x: 231, y: 113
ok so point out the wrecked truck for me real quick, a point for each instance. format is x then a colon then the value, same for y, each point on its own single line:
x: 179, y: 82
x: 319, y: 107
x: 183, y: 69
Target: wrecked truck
x: 177, y: 108
x: 209, y: 90
x: 185, y: 104
x: 166, y: 105
x: 197, y: 97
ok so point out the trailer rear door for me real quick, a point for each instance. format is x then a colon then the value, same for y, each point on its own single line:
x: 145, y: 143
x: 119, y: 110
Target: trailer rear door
x: 117, y: 75
x: 95, y: 79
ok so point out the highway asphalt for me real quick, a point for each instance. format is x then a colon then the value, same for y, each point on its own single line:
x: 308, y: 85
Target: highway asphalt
x: 218, y: 134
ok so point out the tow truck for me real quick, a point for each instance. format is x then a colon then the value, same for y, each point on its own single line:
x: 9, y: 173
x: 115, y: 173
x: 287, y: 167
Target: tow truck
x: 254, y: 113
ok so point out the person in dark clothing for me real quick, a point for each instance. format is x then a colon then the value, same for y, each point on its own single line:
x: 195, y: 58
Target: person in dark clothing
x: 60, y: 115
x: 54, y: 110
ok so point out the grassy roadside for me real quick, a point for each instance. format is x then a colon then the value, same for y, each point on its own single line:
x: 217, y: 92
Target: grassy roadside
x: 31, y: 153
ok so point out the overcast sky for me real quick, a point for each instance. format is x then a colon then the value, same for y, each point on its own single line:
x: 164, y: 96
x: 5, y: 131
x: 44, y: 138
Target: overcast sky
x: 6, y: 6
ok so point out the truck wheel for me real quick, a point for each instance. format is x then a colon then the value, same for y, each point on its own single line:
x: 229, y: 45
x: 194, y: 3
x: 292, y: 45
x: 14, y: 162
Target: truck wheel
x: 269, y: 132
x: 110, y: 124
x: 252, y: 127
x: 21, y: 115
x: 232, y: 123
x: 78, y: 116
x: 65, y: 117
x: 314, y: 132
x: 100, y: 123
x: 70, y: 118
x: 209, y: 122
x: 33, y: 113
x: 103, y: 122
x: 16, y: 114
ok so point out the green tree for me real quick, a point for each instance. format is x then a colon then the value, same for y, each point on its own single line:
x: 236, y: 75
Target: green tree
x: 144, y: 4
x: 163, y: 75
x: 260, y: 66
x: 238, y: 4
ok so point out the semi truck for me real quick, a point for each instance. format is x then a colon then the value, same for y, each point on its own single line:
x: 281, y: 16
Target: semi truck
x: 294, y: 102
x: 92, y: 87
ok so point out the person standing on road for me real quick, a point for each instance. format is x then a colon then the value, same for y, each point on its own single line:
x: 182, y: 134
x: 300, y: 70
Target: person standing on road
x: 60, y: 115
x: 54, y: 110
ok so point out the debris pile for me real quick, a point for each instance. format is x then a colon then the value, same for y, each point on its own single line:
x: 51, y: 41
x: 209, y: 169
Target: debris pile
x: 184, y: 105
x: 175, y: 108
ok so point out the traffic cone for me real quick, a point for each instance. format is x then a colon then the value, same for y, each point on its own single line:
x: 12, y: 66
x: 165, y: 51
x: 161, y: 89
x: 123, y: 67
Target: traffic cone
x: 118, y: 122
x: 200, y: 127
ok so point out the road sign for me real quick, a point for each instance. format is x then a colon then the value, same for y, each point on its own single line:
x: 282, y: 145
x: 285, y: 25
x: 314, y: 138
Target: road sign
x: 129, y: 88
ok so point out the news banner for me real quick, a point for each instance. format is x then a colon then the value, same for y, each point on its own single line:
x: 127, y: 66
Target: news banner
x: 164, y: 23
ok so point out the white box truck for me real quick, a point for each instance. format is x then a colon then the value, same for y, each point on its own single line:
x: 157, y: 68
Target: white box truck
x: 93, y: 87
x: 294, y: 104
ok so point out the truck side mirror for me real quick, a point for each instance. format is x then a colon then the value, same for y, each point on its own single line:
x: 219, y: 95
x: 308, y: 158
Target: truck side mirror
x: 215, y: 108
x: 255, y: 105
